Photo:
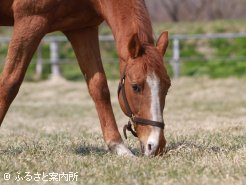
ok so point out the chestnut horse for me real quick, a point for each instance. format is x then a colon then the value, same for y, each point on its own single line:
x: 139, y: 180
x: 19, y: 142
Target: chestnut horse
x: 144, y: 80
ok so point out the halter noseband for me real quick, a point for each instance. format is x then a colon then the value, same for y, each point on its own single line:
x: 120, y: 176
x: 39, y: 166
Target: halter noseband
x: 130, y: 114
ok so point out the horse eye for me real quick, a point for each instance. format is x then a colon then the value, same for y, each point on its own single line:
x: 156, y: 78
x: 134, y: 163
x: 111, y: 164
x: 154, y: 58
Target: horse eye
x: 136, y: 88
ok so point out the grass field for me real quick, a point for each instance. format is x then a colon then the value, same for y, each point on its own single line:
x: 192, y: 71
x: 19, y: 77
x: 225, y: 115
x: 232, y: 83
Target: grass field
x: 53, y: 127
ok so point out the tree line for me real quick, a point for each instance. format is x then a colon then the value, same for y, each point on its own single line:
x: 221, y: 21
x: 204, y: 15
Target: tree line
x: 195, y: 10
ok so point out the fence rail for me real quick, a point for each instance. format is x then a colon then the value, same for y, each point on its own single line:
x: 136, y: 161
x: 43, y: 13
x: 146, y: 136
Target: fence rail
x: 54, y: 42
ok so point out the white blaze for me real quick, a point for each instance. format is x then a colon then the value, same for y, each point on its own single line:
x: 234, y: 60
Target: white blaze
x: 155, y: 110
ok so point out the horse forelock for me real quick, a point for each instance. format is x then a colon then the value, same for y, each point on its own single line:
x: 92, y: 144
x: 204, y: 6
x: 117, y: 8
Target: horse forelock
x: 153, y: 62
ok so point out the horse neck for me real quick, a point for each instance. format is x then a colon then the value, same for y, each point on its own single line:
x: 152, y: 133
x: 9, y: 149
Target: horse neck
x: 126, y: 19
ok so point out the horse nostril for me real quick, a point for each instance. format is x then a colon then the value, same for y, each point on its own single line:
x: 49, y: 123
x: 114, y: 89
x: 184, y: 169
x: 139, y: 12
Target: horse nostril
x: 149, y: 146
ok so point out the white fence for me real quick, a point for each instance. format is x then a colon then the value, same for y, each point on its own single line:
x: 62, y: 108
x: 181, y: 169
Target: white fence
x: 54, y: 42
x: 176, y: 46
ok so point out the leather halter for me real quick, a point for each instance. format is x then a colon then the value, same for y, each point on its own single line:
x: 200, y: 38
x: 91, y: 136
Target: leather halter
x: 133, y: 119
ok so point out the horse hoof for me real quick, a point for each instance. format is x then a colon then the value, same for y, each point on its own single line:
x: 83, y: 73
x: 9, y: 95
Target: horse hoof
x: 122, y: 150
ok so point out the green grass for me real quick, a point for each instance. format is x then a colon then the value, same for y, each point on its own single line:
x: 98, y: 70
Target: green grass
x: 214, y: 69
x: 53, y: 127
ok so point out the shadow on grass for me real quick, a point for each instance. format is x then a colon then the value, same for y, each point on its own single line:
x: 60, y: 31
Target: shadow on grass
x: 12, y: 151
x: 86, y: 150
x: 172, y: 147
x: 136, y: 152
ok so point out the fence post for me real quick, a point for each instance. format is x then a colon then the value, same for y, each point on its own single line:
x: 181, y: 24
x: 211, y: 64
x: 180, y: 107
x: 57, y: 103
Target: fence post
x: 39, y: 65
x: 54, y: 58
x: 176, y: 58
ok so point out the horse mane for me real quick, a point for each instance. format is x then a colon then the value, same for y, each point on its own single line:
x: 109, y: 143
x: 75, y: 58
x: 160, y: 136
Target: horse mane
x: 152, y: 61
x: 141, y: 25
x: 141, y: 21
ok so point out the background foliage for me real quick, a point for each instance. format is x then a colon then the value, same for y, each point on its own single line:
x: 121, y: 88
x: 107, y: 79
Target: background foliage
x: 214, y: 58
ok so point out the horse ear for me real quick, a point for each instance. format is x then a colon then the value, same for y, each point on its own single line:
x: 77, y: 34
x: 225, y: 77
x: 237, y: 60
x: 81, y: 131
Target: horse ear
x: 162, y: 43
x: 135, y: 47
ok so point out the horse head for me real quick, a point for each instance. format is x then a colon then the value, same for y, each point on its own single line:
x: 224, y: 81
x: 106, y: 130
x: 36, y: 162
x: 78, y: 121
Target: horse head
x: 142, y: 92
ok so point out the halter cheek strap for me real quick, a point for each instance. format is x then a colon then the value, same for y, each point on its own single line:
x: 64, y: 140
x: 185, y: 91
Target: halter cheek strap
x: 130, y: 114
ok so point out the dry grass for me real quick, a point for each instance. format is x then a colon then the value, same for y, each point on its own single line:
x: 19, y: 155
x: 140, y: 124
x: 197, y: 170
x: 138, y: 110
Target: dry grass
x: 53, y: 127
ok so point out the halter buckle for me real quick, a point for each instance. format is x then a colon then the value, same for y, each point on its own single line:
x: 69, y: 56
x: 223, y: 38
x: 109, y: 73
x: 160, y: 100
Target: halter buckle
x: 128, y: 127
x: 123, y: 80
x: 132, y: 117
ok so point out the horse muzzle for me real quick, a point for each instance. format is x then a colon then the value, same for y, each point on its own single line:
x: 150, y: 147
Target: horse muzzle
x: 153, y: 148
x: 149, y: 149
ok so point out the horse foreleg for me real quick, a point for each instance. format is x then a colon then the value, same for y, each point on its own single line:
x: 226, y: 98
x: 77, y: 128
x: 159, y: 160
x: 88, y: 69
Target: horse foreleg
x: 28, y: 32
x: 86, y: 46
